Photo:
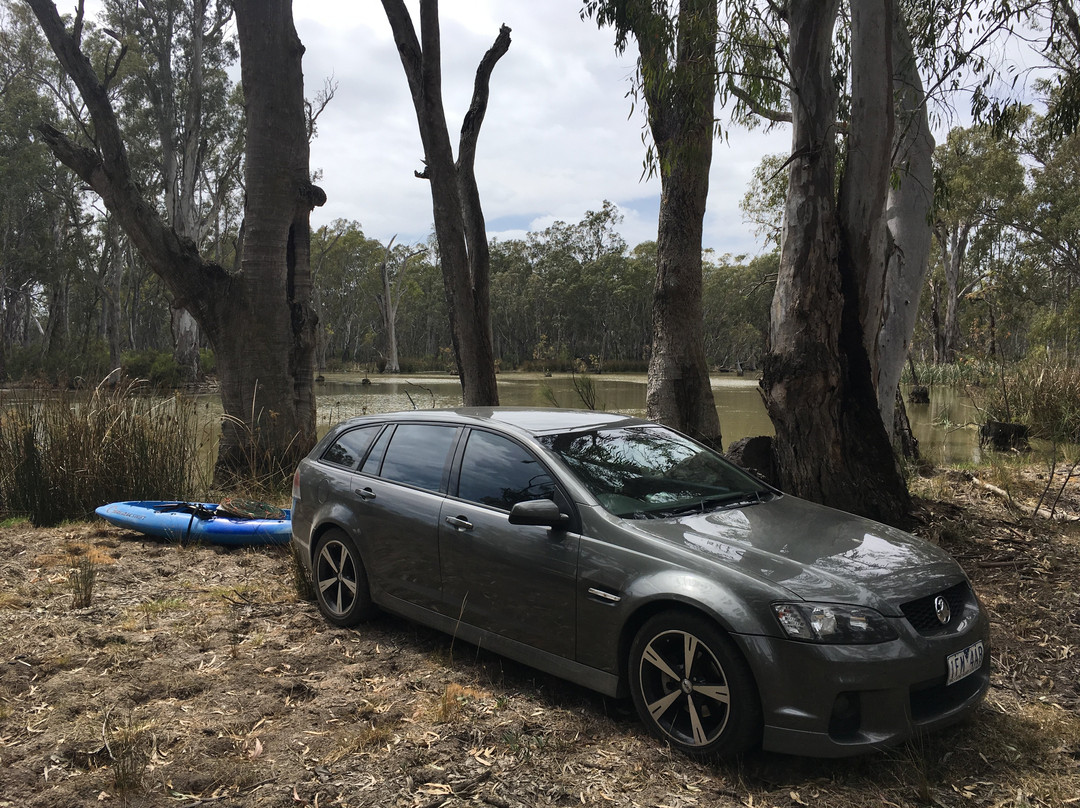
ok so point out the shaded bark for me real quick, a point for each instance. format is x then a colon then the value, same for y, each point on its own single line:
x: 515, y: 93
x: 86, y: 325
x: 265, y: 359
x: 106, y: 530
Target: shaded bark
x: 259, y: 319
x: 459, y: 218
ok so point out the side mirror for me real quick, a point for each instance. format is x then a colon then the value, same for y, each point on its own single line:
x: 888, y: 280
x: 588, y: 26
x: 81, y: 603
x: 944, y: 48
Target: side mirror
x: 540, y: 512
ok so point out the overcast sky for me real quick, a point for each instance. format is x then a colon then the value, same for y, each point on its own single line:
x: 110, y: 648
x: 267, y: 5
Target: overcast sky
x: 559, y: 137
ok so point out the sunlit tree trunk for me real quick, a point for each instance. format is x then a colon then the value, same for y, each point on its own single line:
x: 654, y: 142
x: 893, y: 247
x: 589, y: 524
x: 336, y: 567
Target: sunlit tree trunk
x: 831, y: 444
x: 911, y: 197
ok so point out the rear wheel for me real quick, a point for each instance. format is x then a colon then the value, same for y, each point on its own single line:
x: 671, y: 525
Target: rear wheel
x: 340, y: 580
x: 691, y: 686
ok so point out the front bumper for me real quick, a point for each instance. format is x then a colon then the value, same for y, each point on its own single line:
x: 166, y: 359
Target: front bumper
x: 841, y: 700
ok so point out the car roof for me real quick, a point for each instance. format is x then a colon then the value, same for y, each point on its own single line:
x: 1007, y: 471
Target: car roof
x: 534, y: 421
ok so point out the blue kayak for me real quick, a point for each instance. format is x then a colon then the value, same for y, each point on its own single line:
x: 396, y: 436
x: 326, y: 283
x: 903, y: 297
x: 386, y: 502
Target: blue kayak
x: 196, y: 522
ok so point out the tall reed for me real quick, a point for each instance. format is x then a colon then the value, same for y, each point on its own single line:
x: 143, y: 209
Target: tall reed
x: 62, y: 456
x: 1046, y: 398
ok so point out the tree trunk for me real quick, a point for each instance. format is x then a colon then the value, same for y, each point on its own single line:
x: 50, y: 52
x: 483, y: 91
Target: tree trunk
x: 185, y: 334
x: 908, y: 216
x: 680, y: 110
x: 269, y: 345
x: 459, y: 220
x: 259, y: 320
x: 109, y: 278
x: 817, y: 383
x: 954, y: 260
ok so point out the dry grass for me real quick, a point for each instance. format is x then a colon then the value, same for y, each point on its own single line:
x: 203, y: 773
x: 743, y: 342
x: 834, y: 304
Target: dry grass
x: 230, y: 690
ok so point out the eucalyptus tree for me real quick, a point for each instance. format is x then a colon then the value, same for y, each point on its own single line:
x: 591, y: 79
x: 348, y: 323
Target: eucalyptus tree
x: 1048, y: 217
x: 677, y: 78
x: 392, y: 272
x: 459, y: 218
x: 34, y: 196
x: 828, y: 305
x: 179, y: 53
x: 259, y: 318
x: 980, y: 175
x: 344, y: 291
x: 855, y: 239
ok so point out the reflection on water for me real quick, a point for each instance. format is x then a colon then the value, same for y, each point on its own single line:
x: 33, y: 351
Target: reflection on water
x: 944, y: 427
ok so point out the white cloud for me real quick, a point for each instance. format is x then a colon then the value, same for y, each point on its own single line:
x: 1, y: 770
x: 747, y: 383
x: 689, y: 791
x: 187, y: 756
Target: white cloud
x: 558, y: 138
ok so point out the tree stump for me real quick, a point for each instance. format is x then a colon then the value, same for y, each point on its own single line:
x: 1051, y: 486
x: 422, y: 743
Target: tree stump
x: 920, y: 394
x: 1004, y: 436
x: 756, y: 456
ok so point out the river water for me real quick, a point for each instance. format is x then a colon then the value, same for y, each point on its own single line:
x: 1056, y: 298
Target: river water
x: 944, y: 427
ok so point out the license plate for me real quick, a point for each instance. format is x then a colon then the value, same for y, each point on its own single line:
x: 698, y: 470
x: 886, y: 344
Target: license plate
x: 964, y: 663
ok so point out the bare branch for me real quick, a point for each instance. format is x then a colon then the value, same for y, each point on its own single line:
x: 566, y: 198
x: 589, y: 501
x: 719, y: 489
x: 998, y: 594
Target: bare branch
x: 474, y: 118
x: 774, y: 115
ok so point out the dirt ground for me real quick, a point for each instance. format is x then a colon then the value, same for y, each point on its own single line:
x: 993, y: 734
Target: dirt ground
x: 196, y: 677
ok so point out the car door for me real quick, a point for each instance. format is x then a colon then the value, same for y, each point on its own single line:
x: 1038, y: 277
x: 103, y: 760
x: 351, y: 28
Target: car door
x: 398, y: 494
x: 514, y: 580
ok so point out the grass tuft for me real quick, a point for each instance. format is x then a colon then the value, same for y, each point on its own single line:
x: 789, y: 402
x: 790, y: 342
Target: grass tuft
x: 65, y: 455
x: 129, y: 745
x: 81, y: 578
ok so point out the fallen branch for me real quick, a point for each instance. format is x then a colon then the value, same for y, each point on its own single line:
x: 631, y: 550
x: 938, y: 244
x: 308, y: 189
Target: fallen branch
x: 993, y: 489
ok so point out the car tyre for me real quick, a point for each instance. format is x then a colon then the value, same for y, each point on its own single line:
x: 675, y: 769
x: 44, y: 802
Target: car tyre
x: 341, y: 584
x: 691, y: 686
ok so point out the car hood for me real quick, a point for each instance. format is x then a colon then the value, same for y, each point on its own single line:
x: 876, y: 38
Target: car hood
x: 814, y: 552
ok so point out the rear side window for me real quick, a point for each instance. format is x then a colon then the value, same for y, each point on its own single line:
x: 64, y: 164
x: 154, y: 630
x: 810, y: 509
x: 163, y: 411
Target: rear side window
x: 417, y: 455
x: 351, y: 446
x: 499, y: 473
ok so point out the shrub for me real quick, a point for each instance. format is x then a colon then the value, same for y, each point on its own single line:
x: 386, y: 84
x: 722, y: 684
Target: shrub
x: 159, y: 368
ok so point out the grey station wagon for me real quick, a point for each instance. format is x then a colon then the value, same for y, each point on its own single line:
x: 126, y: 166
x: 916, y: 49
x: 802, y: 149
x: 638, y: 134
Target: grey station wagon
x: 621, y: 555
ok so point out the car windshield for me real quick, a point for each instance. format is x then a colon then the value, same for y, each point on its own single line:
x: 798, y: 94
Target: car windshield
x: 642, y: 472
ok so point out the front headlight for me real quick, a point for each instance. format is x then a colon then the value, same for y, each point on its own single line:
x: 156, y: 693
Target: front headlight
x: 833, y: 623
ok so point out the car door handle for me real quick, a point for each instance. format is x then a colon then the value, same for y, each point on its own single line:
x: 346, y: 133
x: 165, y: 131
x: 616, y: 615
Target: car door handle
x: 459, y: 523
x: 365, y: 493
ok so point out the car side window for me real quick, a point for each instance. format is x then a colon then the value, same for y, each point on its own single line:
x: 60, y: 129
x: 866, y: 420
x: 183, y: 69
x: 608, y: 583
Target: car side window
x: 417, y: 455
x: 350, y: 447
x: 499, y: 473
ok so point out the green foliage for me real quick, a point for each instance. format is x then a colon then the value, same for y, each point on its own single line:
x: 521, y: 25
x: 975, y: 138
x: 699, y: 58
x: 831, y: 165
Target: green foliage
x: 736, y: 298
x: 765, y: 198
x: 159, y: 368
x: 63, y: 456
x: 207, y: 362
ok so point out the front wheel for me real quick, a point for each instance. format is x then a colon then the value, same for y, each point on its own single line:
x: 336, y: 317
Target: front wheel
x: 341, y: 584
x: 692, y: 687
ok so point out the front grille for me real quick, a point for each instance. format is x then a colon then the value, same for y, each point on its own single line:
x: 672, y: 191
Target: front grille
x: 923, y: 616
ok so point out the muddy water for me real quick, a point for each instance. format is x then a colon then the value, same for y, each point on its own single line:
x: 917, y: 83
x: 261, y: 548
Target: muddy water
x: 944, y: 427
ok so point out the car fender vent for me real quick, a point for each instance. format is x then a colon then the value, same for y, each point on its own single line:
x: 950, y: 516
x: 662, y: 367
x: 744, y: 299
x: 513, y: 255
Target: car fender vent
x: 603, y: 596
